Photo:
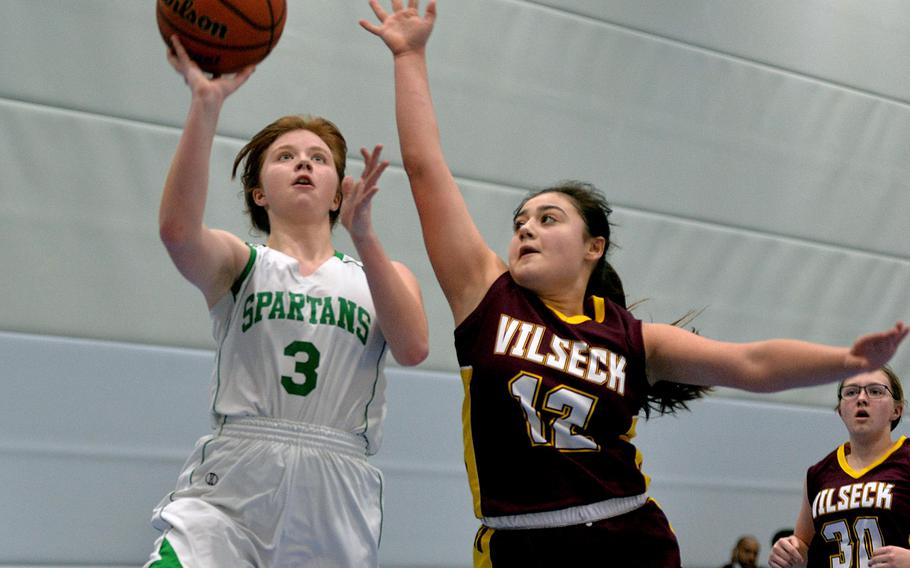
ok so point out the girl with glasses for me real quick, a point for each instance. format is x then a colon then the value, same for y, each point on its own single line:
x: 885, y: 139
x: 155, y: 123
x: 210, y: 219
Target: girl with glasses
x: 856, y: 506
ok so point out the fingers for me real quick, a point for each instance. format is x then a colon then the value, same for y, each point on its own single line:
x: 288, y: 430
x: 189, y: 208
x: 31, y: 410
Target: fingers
x: 361, y: 191
x: 370, y: 159
x: 180, y: 51
x: 378, y: 10
x: 347, y: 186
x: 370, y: 27
x: 784, y: 554
x: 373, y: 167
x: 431, y: 12
x: 241, y: 76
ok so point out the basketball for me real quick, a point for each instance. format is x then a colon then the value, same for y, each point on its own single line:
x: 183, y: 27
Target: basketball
x: 223, y: 36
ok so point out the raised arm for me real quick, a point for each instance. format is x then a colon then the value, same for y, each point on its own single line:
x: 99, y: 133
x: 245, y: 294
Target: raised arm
x: 674, y: 354
x: 210, y: 259
x: 464, y: 264
x: 396, y: 294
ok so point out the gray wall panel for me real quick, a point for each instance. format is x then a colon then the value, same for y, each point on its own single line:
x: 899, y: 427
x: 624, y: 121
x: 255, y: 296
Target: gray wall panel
x: 94, y: 434
x: 85, y: 241
x: 755, y: 154
x: 855, y: 43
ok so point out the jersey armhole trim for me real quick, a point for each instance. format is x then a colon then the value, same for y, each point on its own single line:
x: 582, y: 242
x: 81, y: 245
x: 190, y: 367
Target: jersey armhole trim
x: 235, y: 287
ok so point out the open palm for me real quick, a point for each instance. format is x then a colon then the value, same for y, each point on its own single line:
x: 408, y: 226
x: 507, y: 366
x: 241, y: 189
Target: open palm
x: 404, y: 29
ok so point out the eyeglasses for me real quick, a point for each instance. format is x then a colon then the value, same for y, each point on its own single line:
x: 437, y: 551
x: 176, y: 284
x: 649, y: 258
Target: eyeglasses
x: 875, y: 390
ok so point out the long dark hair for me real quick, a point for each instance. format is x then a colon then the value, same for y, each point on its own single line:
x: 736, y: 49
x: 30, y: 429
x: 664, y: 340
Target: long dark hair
x: 664, y: 397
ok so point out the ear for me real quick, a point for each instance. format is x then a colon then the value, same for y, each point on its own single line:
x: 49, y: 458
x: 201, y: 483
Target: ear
x: 336, y: 201
x: 898, y: 411
x: 259, y: 197
x: 596, y: 246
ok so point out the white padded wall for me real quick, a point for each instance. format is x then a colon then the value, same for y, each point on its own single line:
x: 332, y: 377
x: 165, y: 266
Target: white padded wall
x: 755, y: 154
x: 93, y: 434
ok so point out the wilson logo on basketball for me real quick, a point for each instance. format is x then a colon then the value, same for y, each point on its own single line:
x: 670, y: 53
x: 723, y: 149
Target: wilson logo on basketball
x: 222, y: 36
x: 187, y: 13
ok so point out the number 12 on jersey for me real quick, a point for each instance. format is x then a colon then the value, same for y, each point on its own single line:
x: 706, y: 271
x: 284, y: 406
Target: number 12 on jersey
x: 567, y: 410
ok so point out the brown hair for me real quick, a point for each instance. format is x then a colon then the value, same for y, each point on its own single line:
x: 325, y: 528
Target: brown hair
x: 252, y: 157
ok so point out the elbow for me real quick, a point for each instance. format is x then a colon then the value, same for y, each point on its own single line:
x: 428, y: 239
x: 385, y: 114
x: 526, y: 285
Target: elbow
x: 413, y: 164
x: 173, y: 233
x: 419, y: 167
x: 413, y: 355
x: 169, y: 232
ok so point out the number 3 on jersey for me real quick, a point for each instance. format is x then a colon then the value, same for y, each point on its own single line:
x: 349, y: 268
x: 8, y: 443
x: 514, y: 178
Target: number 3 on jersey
x: 572, y: 410
x: 306, y: 367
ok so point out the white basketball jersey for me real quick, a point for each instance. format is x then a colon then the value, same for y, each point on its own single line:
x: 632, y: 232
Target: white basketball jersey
x: 300, y: 348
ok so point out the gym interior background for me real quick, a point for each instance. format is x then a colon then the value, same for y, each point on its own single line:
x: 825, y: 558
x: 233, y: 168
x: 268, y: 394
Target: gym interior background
x: 756, y: 154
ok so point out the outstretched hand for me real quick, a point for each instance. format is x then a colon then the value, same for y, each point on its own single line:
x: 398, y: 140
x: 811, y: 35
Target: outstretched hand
x: 403, y: 30
x: 873, y: 350
x: 217, y: 86
x: 358, y: 195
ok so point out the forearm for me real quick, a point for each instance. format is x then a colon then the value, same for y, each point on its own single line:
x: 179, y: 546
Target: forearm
x: 780, y: 364
x: 464, y: 264
x: 678, y: 355
x: 186, y: 186
x: 418, y: 130
x: 397, y: 300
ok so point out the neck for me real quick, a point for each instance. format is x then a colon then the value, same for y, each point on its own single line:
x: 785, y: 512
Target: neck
x: 311, y: 245
x: 566, y: 304
x: 865, y: 450
x: 567, y: 298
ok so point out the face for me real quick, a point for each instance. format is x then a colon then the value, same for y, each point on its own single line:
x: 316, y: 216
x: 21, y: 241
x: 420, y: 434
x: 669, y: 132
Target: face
x: 864, y: 414
x: 747, y: 553
x: 299, y: 179
x: 550, y: 243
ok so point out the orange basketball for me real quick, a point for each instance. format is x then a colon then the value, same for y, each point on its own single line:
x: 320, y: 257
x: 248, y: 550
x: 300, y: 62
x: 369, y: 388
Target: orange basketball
x: 223, y: 36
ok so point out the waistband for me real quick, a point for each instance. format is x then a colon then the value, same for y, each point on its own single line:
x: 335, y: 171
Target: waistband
x: 570, y: 516
x: 298, y: 433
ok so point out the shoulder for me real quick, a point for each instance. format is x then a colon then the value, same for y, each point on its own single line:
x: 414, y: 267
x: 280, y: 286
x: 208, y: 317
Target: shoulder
x: 344, y: 259
x: 830, y: 460
x: 503, y: 296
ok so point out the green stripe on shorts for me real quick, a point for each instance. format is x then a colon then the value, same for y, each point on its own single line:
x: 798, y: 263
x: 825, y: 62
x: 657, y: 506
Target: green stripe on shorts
x: 168, y: 557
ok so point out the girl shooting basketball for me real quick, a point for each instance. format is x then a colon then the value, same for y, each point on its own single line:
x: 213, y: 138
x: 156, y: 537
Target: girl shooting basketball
x: 555, y: 369
x: 302, y: 332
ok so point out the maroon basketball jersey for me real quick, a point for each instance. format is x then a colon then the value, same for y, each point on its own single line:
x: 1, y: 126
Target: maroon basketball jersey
x: 856, y: 512
x: 550, y: 403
